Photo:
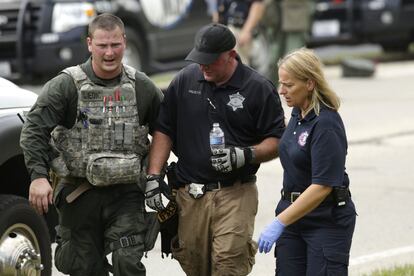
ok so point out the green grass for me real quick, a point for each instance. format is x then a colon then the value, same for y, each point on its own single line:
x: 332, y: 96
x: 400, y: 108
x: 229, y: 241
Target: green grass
x: 405, y: 270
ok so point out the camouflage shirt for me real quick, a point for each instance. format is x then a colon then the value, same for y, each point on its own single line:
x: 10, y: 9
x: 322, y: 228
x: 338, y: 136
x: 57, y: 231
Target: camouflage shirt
x: 57, y: 105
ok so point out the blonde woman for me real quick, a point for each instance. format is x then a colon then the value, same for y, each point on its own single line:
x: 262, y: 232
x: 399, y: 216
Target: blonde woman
x: 315, y: 217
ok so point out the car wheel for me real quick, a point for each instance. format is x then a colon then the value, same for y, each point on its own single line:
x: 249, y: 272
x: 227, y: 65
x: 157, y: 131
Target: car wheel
x: 25, y: 247
x: 134, y: 54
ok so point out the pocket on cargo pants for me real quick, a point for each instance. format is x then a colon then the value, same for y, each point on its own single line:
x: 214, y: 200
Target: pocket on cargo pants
x: 153, y: 228
x: 64, y: 253
x: 252, y: 253
x: 336, y: 262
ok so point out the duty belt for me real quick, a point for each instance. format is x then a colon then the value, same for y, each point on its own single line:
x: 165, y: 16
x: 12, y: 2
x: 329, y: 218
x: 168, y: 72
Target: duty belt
x: 339, y: 195
x: 197, y: 190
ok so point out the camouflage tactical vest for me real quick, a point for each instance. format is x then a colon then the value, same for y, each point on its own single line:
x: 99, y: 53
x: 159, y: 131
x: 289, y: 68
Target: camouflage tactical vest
x: 287, y: 15
x: 106, y: 145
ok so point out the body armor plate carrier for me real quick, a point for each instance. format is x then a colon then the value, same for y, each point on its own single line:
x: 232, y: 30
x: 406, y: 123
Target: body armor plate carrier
x: 106, y: 145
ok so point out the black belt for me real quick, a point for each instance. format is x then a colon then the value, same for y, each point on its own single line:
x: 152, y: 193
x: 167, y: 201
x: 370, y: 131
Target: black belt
x: 197, y: 190
x: 292, y: 196
x: 338, y: 195
x: 211, y: 186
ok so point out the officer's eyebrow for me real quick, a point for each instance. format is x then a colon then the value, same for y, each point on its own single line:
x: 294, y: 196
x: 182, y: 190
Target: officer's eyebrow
x: 103, y: 44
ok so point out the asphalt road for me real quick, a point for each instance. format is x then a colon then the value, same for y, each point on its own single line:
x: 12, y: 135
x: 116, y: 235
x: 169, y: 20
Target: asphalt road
x: 378, y: 116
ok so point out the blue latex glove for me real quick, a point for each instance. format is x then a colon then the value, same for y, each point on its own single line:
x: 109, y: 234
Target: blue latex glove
x: 270, y: 235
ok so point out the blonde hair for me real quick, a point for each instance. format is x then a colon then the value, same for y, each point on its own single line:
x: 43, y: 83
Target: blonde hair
x: 305, y: 65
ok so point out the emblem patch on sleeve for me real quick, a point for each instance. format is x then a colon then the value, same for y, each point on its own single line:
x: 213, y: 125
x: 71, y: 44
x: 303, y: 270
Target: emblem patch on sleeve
x: 236, y: 101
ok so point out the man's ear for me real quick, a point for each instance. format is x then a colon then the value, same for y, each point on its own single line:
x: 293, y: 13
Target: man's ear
x: 89, y: 42
x: 310, y: 85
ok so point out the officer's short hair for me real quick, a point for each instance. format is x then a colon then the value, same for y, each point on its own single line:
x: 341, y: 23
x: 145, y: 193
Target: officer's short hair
x: 107, y: 22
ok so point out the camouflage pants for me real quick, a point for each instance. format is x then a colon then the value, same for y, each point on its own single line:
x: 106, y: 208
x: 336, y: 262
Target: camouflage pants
x: 280, y: 44
x: 101, y: 221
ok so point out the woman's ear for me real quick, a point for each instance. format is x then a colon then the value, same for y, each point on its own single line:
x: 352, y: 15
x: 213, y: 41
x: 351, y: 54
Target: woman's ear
x: 310, y: 85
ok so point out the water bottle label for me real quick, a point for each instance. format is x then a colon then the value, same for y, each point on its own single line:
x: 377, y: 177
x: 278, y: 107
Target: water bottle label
x: 216, y: 140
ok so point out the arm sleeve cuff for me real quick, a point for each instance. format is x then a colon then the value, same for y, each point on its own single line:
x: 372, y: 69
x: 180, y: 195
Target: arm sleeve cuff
x: 36, y: 175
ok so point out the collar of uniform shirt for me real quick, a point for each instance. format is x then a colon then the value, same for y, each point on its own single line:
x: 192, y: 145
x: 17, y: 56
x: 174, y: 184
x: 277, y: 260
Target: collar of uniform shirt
x: 296, y: 113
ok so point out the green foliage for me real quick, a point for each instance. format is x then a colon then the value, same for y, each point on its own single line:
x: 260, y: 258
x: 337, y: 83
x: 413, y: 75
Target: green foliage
x: 405, y: 270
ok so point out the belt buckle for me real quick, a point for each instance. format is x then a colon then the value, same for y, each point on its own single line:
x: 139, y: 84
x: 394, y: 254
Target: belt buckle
x: 124, y: 241
x: 294, y: 196
x: 196, y: 190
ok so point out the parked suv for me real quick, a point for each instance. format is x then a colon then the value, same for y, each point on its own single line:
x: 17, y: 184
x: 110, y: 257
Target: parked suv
x: 25, y: 247
x: 386, y: 22
x: 41, y: 37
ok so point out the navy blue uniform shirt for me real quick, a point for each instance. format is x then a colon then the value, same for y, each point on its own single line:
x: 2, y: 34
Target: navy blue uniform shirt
x: 234, y: 12
x: 313, y: 151
x: 247, y: 108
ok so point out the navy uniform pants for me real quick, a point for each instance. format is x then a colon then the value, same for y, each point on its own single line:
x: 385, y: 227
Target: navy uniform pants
x: 92, y: 226
x: 318, y: 244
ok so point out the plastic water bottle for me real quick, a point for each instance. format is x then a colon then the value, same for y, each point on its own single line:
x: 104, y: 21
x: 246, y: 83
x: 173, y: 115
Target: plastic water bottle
x: 217, y: 137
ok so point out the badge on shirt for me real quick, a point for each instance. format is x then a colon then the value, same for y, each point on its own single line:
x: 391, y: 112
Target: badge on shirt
x: 236, y: 101
x: 302, y: 138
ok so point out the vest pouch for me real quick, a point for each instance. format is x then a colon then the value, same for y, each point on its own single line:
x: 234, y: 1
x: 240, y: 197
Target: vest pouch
x: 71, y: 145
x: 75, y: 162
x: 271, y: 15
x: 117, y: 136
x: 58, y: 166
x: 140, y: 139
x: 295, y: 15
x: 104, y: 169
x: 96, y: 134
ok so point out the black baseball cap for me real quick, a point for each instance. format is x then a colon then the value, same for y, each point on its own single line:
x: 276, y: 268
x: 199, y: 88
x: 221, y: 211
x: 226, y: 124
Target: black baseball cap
x: 210, y: 41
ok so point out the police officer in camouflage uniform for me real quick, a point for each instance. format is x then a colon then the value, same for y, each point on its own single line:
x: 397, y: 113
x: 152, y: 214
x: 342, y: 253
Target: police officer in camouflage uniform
x: 285, y: 24
x: 98, y: 115
x: 242, y: 17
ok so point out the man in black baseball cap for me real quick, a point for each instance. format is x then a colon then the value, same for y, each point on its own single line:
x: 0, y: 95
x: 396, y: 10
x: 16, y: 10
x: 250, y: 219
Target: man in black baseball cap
x: 216, y: 189
x: 210, y: 42
x: 214, y: 52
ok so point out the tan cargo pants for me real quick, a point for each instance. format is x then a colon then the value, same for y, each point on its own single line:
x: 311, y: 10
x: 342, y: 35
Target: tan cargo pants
x: 215, y: 231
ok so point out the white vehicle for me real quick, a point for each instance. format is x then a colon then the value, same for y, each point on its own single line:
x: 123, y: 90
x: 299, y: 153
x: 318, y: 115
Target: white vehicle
x: 25, y: 247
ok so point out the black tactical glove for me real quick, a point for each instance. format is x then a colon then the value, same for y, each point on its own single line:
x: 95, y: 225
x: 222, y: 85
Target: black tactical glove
x: 155, y: 189
x: 231, y: 158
